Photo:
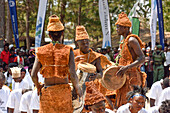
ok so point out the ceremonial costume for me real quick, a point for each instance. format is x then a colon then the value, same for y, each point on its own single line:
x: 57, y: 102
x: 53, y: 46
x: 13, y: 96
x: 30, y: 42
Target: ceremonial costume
x: 133, y: 76
x: 55, y: 63
x: 82, y: 34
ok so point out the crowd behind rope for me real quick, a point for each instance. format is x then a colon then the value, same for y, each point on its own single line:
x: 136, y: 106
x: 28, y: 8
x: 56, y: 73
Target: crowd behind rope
x: 19, y: 94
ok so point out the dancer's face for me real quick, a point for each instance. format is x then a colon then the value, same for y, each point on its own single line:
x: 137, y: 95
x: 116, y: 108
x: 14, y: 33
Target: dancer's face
x: 83, y: 45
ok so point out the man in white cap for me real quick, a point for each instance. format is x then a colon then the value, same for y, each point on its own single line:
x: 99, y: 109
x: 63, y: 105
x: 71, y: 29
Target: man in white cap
x: 18, y: 80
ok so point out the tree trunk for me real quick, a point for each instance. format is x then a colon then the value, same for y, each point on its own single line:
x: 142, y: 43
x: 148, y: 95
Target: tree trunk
x: 43, y: 37
x: 63, y: 10
x: 2, y: 21
x: 79, y: 14
x: 8, y: 27
x: 27, y: 24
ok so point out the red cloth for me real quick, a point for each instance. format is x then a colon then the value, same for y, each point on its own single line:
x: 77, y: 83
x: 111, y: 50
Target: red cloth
x: 20, y: 61
x: 5, y: 56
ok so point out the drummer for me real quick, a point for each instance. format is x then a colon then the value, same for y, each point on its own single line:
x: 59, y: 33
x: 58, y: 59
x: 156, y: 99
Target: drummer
x: 131, y: 56
x: 85, y: 54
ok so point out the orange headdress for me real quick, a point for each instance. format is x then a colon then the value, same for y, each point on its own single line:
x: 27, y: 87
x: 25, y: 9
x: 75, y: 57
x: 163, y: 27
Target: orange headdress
x: 81, y: 33
x: 123, y: 20
x: 93, y: 96
x: 54, y: 24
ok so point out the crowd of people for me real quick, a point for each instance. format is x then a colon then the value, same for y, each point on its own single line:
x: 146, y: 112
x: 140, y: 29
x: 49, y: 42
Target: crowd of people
x: 49, y: 78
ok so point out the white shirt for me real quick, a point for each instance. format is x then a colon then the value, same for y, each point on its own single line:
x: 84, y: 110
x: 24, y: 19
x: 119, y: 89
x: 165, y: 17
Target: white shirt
x: 25, y: 102
x: 29, y: 80
x: 108, y: 110
x: 14, y: 100
x: 164, y: 96
x: 34, y: 104
x: 17, y: 85
x: 155, y: 91
x: 8, y: 79
x: 4, y: 94
x: 154, y: 109
x: 167, y: 55
x: 125, y: 109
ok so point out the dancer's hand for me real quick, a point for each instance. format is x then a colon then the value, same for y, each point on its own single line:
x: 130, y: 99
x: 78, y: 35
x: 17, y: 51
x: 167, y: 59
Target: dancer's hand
x: 122, y: 71
x: 78, y: 58
x: 39, y: 89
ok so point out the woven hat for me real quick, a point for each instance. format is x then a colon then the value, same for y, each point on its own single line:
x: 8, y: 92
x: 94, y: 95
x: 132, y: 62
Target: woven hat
x: 16, y: 72
x: 54, y: 24
x: 123, y: 20
x: 81, y: 33
x: 93, y: 95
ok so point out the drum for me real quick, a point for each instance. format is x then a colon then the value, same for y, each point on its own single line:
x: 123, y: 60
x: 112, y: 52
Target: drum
x: 86, y: 67
x: 110, y: 80
x: 83, y: 70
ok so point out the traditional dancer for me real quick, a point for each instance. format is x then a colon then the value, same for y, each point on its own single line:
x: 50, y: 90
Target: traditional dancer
x: 57, y: 61
x: 131, y: 56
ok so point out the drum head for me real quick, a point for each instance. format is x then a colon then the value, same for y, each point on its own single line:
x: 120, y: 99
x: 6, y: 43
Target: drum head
x: 111, y: 81
x: 86, y: 67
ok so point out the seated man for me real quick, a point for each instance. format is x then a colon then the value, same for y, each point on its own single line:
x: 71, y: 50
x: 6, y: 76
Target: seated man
x: 4, y: 94
x: 164, y: 96
x: 95, y: 101
x: 136, y: 100
x: 25, y: 102
x: 14, y: 101
x: 35, y: 100
x: 156, y: 90
x: 164, y: 108
x: 18, y: 79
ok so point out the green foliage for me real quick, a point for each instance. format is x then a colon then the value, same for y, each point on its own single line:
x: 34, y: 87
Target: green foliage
x: 89, y: 15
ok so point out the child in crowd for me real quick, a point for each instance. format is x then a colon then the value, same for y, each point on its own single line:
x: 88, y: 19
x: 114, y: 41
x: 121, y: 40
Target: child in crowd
x: 136, y: 100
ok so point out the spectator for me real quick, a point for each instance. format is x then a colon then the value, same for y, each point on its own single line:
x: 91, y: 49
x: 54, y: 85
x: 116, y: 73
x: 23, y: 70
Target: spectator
x: 12, y: 56
x: 19, y: 59
x: 158, y: 66
x: 1, y: 69
x: 149, y: 69
x: 164, y: 96
x: 14, y: 101
x: 25, y: 102
x: 104, y: 52
x: 8, y: 75
x: 18, y: 79
x: 5, y: 54
x: 156, y: 91
x: 4, y: 94
x: 167, y: 62
x: 35, y: 100
x: 164, y: 108
x: 116, y: 52
x: 136, y: 100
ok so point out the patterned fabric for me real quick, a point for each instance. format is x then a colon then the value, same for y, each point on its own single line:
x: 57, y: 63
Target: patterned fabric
x: 133, y: 76
x: 54, y: 60
x: 56, y: 99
